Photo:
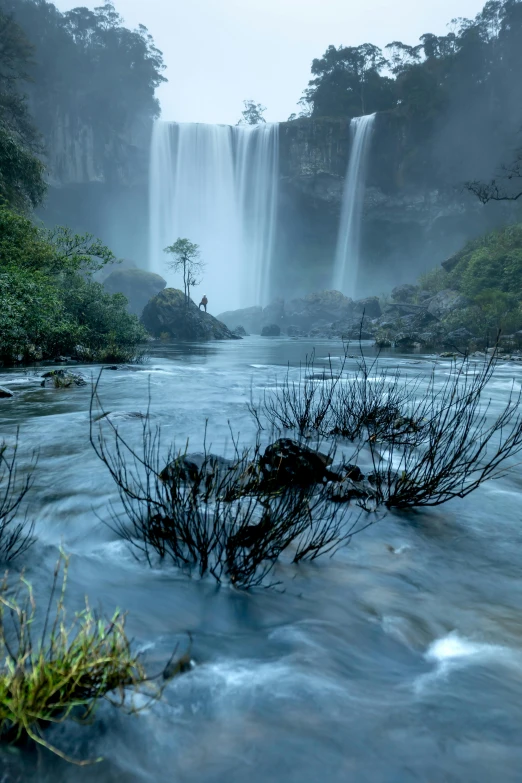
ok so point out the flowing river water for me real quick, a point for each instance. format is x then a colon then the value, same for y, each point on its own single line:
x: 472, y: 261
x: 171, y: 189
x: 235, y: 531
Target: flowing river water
x: 399, y: 659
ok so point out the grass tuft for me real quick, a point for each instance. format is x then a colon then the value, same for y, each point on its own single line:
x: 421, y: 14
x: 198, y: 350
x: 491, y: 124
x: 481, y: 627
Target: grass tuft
x: 64, y: 673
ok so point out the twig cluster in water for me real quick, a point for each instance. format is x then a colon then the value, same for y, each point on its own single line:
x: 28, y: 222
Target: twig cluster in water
x: 16, y: 532
x: 440, y: 443
x: 233, y: 518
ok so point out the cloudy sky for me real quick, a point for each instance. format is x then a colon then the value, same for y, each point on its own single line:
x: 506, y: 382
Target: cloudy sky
x: 219, y: 52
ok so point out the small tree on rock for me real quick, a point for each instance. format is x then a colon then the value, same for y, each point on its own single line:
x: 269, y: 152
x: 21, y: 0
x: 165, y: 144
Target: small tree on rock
x: 186, y: 258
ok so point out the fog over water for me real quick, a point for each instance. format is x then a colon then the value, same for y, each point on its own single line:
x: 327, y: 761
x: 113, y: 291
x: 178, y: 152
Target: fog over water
x: 220, y: 52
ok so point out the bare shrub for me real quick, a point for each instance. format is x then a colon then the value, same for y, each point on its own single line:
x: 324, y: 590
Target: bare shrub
x: 461, y: 445
x: 232, y: 519
x: 16, y: 533
x: 303, y: 404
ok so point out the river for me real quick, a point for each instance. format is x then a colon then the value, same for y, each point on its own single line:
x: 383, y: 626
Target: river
x: 400, y: 659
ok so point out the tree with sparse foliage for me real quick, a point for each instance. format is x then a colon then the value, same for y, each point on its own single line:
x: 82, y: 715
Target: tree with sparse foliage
x: 509, y: 189
x: 186, y: 259
x: 252, y: 114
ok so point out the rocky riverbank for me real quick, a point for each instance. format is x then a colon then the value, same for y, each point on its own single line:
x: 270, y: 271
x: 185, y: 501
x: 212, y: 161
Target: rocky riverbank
x: 412, y: 319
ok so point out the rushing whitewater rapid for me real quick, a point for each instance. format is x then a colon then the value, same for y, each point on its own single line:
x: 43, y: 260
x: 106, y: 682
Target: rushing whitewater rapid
x: 216, y: 185
x: 347, y: 254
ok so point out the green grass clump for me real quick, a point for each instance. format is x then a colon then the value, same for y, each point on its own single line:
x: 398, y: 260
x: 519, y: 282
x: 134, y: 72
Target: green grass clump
x: 65, y: 672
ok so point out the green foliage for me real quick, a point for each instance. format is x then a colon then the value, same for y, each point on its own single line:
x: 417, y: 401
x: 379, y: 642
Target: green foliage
x: 64, y: 673
x: 252, y: 114
x: 49, y: 303
x: 488, y: 271
x: 348, y: 82
x: 21, y: 172
x: 104, y: 76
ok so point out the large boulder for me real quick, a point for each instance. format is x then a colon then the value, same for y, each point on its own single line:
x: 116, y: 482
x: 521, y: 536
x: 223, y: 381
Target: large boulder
x: 371, y: 307
x: 248, y: 318
x: 445, y: 302
x: 271, y: 330
x: 169, y: 315
x: 137, y: 285
x: 318, y: 309
x: 405, y: 293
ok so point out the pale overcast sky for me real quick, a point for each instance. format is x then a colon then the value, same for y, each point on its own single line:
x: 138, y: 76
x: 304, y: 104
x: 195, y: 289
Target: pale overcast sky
x: 219, y: 52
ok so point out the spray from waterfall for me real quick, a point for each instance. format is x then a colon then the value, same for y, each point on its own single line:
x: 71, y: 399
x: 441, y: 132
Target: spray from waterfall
x: 347, y: 254
x: 217, y: 186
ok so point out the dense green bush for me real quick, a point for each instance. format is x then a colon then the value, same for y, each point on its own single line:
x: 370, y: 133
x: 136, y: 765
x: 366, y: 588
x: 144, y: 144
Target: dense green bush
x: 488, y: 271
x: 49, y: 303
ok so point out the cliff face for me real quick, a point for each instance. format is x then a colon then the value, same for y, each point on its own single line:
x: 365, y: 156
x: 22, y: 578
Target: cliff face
x: 413, y: 217
x: 98, y: 181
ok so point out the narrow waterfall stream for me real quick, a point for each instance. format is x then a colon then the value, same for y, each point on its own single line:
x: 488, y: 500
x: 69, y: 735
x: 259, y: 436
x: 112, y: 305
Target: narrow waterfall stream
x: 347, y: 253
x: 217, y: 186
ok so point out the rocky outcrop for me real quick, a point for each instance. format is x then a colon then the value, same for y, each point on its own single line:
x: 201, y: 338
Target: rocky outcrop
x: 249, y: 318
x: 137, y: 285
x: 169, y: 315
x: 272, y: 330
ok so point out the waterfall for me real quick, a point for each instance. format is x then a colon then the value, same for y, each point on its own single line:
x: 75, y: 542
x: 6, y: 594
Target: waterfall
x: 217, y: 186
x: 347, y: 259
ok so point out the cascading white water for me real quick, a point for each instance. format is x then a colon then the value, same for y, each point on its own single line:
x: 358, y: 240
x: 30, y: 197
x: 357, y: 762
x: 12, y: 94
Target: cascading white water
x: 217, y: 186
x: 346, y: 266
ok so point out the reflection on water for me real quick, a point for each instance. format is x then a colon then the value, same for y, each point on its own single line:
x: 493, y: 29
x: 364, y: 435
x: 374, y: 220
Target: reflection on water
x: 398, y: 660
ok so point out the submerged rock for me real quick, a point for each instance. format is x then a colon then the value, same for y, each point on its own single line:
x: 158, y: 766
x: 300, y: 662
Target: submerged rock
x: 191, y: 467
x: 170, y: 315
x: 5, y: 393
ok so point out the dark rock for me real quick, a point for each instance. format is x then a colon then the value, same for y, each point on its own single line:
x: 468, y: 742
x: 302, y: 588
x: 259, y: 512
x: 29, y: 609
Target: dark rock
x: 371, y: 307
x: 137, y: 285
x: 353, y: 472
x: 445, y: 302
x: 191, y: 467
x: 382, y: 342
x: 404, y: 293
x: 458, y: 337
x: 63, y: 379
x: 348, y: 489
x: 294, y: 331
x: 240, y: 331
x: 248, y: 317
x: 168, y: 314
x: 60, y: 359
x: 287, y: 463
x: 5, y: 393
x: 405, y: 339
x: 273, y: 330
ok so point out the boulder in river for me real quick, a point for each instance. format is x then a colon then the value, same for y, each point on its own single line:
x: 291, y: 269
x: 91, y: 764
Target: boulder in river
x: 138, y: 285
x: 287, y: 463
x: 169, y: 314
x: 272, y: 330
x: 5, y: 393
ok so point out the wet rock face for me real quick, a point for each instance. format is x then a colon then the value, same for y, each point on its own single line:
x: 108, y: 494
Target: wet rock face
x: 446, y: 302
x: 138, y: 285
x: 169, y: 315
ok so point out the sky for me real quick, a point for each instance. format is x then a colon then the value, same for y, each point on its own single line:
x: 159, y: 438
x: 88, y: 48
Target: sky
x: 220, y: 52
